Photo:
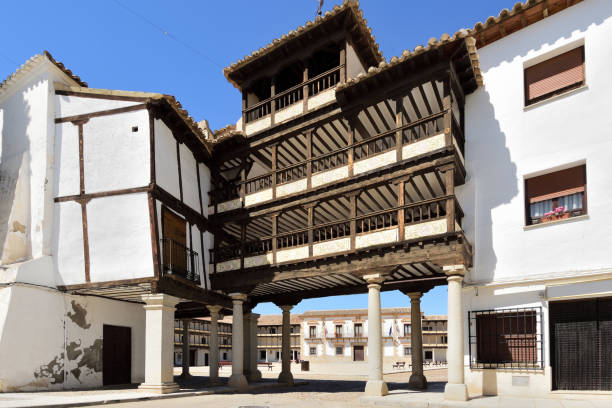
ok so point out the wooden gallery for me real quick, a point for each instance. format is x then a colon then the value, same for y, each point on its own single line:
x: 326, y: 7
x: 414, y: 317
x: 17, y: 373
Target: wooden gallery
x: 463, y: 163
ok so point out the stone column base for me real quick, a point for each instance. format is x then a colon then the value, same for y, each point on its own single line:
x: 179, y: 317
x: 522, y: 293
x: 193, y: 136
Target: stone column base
x: 418, y: 381
x: 455, y: 392
x: 214, y: 382
x: 376, y: 388
x: 286, y: 378
x: 237, y: 381
x: 164, y: 388
x: 255, y: 376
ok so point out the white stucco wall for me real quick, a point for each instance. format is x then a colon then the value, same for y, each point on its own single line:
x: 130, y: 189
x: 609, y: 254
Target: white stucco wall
x: 166, y: 165
x: 505, y: 143
x: 69, y: 105
x: 119, y: 238
x: 71, y: 354
x: 189, y: 178
x: 68, y: 243
x: 26, y: 163
x: 114, y: 157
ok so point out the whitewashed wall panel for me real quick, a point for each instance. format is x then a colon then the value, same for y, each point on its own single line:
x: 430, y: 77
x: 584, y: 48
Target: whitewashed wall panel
x: 197, y: 247
x: 209, y: 242
x: 166, y: 164
x: 114, y: 156
x: 68, y: 243
x: 189, y: 178
x: 67, y: 173
x: 119, y: 238
x: 205, y: 184
x: 68, y: 105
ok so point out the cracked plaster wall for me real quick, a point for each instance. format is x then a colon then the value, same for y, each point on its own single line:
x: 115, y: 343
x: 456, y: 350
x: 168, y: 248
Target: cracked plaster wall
x: 50, y: 340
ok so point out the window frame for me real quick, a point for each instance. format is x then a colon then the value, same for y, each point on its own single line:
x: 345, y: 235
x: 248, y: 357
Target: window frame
x: 529, y: 221
x: 340, y: 349
x: 537, y: 339
x: 527, y: 102
x: 310, y: 353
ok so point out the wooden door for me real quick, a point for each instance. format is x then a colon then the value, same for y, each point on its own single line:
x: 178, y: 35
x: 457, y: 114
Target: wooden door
x: 192, y: 358
x: 581, y: 350
x: 116, y: 355
x: 174, y: 231
x: 206, y: 363
x: 358, y: 354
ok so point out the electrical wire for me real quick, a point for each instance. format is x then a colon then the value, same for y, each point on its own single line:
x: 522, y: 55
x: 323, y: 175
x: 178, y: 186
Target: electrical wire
x: 167, y: 34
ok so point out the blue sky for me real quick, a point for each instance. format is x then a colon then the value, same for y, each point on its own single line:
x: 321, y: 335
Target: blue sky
x: 180, y: 47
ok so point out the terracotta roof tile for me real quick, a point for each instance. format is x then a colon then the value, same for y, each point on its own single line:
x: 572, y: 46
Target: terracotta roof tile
x: 31, y: 63
x: 309, y: 25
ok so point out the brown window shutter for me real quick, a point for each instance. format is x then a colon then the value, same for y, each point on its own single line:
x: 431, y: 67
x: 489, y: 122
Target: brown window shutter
x: 556, y: 184
x: 555, y: 74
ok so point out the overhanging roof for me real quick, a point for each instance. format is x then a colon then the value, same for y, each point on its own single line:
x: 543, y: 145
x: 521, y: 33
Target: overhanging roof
x: 348, y: 14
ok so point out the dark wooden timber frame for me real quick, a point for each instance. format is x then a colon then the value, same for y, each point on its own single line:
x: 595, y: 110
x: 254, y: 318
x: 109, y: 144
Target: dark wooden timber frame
x: 449, y: 65
x: 176, y: 286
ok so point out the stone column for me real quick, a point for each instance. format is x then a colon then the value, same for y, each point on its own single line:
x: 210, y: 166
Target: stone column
x: 237, y: 379
x: 455, y: 390
x: 417, y: 379
x: 285, y: 375
x: 255, y: 373
x: 246, y: 338
x: 185, y: 346
x: 214, y: 346
x: 159, y: 343
x: 375, y: 386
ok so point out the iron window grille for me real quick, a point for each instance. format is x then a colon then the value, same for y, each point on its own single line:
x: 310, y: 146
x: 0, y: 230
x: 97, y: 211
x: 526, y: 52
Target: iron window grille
x: 506, y: 338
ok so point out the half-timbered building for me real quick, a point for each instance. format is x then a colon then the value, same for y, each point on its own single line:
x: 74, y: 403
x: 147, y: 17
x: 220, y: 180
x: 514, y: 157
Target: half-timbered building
x: 463, y: 159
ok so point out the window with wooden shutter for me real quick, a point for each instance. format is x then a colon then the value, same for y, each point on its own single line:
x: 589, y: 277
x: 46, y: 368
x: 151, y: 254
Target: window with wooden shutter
x: 555, y: 75
x: 556, y: 196
x: 174, y: 242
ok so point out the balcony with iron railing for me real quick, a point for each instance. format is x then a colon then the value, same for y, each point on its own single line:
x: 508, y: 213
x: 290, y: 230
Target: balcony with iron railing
x: 290, y: 103
x: 414, y: 221
x: 179, y: 261
x: 405, y: 142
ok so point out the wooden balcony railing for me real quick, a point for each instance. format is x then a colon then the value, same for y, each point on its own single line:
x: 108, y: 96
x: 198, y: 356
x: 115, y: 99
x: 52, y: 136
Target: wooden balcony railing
x: 179, y: 260
x: 413, y: 213
x: 383, y: 142
x: 295, y: 94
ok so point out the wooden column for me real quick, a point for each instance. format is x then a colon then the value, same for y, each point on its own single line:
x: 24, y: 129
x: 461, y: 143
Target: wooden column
x: 305, y: 88
x: 343, y: 64
x: 449, y: 180
x: 243, y: 237
x: 400, y: 212
x: 351, y: 151
x: 446, y: 106
x: 273, y: 159
x: 309, y: 158
x: 272, y: 101
x: 399, y: 121
x: 310, y: 208
x: 274, y: 232
x: 243, y: 177
x: 244, y: 106
x: 353, y: 209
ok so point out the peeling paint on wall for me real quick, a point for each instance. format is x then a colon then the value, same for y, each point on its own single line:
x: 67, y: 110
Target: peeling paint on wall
x: 72, y: 351
x: 54, y: 370
x: 92, y: 356
x: 79, y: 315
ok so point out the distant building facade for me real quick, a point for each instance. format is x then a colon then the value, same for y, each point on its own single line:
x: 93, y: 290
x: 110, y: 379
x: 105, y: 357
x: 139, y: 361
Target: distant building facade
x: 269, y: 336
x: 199, y: 341
x: 342, y: 335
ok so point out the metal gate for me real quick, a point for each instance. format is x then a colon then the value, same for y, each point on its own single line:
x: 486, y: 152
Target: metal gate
x: 581, y: 344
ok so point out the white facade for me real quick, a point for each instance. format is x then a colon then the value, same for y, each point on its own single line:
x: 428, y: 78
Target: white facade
x: 516, y: 265
x: 48, y: 338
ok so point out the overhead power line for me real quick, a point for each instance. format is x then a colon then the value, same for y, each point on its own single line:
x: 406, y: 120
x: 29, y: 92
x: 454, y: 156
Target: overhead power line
x: 167, y: 33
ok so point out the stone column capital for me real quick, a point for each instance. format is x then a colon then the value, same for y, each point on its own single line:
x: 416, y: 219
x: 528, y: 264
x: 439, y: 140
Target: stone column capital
x: 414, y: 296
x: 214, y: 309
x: 454, y: 278
x: 454, y: 270
x: 254, y: 317
x: 286, y: 308
x: 374, y: 279
x: 238, y: 297
x: 159, y: 301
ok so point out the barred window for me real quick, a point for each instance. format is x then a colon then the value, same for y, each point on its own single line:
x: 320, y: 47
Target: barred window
x: 407, y: 351
x: 313, y: 351
x: 339, y: 351
x: 506, y: 338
